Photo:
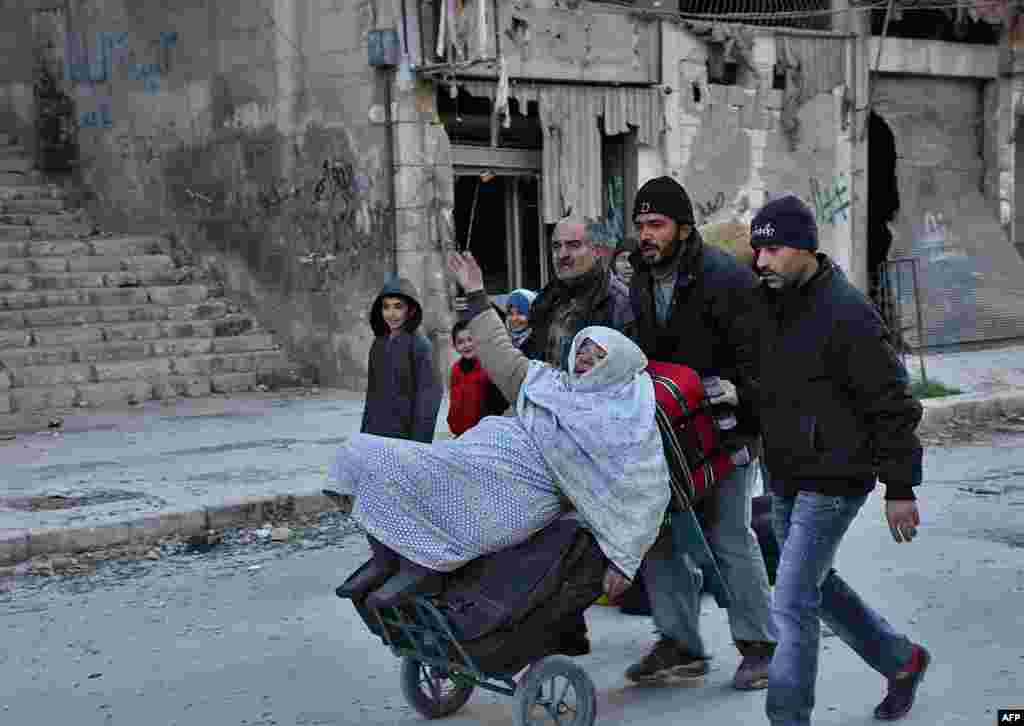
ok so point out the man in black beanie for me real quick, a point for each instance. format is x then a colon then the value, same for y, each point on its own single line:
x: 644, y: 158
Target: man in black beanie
x: 693, y: 305
x: 838, y: 413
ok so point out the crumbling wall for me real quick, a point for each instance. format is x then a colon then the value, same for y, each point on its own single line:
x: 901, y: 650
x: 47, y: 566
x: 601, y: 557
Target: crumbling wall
x: 253, y: 131
x: 948, y: 219
x: 737, y: 152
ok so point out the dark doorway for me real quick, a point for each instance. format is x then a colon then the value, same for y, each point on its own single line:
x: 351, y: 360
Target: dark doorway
x: 883, y: 197
x: 498, y: 217
x: 480, y: 225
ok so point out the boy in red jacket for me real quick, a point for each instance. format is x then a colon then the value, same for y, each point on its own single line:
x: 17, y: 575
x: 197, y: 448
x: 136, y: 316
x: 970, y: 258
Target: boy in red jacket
x: 472, y: 395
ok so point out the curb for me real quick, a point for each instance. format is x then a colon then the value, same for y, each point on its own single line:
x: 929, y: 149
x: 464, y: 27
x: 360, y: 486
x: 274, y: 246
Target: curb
x: 974, y: 408
x: 18, y: 545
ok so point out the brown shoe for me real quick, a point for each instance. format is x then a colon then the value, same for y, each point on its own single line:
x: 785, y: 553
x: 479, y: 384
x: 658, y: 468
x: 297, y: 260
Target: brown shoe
x: 667, y: 660
x: 752, y: 675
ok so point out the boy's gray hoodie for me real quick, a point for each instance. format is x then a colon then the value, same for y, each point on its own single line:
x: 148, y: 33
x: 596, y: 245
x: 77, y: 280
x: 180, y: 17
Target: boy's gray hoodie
x: 403, y: 393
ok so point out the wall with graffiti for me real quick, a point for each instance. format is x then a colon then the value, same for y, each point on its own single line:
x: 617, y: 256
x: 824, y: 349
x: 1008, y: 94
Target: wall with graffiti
x: 244, y: 129
x: 738, y: 159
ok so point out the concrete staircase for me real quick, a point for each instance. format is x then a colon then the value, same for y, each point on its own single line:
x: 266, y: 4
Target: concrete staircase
x: 90, y: 320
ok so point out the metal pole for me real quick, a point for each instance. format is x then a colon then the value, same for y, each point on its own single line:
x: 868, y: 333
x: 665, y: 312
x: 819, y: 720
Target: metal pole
x: 472, y: 215
x: 920, y: 321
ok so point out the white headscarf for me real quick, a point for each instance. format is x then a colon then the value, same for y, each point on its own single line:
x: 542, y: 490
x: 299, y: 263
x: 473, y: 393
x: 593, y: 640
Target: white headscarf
x: 598, y: 435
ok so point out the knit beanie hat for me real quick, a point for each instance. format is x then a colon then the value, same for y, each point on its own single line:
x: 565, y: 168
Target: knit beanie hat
x: 664, y: 195
x: 520, y: 300
x: 787, y: 222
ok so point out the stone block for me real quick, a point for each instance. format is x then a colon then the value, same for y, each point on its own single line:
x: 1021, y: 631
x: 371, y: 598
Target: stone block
x: 16, y: 266
x: 173, y: 347
x: 13, y: 249
x: 16, y: 283
x: 178, y: 295
x: 50, y: 265
x: 132, y: 313
x: 149, y: 369
x: 235, y: 514
x: 61, y: 316
x: 113, y: 393
x: 128, y: 246
x: 243, y: 343
x: 57, y: 375
x: 118, y: 296
x: 270, y: 361
x: 69, y: 281
x: 14, y: 546
x: 43, y: 398
x: 82, y: 335
x: 6, y: 405
x: 234, y: 382
x: 144, y: 330
x: 57, y: 248
x: 94, y: 263
x: 16, y: 338
x: 116, y: 351
x: 20, y: 164
x: 33, y: 205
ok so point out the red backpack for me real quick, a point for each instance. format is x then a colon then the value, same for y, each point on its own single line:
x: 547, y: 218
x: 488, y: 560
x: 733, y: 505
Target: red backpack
x: 696, y: 458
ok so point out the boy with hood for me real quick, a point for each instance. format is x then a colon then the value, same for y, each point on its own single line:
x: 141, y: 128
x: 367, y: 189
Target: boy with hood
x: 403, y: 393
x: 517, y: 316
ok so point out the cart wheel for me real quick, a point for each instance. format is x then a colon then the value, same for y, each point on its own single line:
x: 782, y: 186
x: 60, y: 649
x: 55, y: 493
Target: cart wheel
x: 432, y: 691
x: 556, y: 691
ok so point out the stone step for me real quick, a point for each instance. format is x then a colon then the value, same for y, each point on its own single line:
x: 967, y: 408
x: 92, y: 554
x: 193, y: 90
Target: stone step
x: 139, y: 277
x: 127, y: 246
x: 212, y: 311
x: 149, y: 369
x: 100, y: 296
x: 60, y: 229
x: 83, y: 263
x: 47, y: 400
x: 16, y: 163
x: 36, y: 205
x: 41, y: 219
x: 27, y: 192
x: 125, y: 349
x: 18, y: 179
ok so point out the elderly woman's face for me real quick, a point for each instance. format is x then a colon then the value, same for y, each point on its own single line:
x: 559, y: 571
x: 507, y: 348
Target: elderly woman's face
x: 588, y: 355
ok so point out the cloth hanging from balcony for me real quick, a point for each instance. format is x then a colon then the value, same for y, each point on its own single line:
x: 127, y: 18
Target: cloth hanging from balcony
x: 572, y: 120
x: 812, y: 65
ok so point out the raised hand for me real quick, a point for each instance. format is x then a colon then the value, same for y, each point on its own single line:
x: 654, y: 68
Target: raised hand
x: 466, y: 271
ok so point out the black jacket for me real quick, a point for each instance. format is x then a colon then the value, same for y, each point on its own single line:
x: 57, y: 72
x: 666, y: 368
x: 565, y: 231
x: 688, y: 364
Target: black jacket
x: 403, y: 391
x: 602, y: 300
x: 709, y: 328
x: 836, y: 404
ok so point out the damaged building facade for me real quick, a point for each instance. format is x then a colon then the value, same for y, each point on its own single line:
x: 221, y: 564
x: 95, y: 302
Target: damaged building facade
x: 305, y: 150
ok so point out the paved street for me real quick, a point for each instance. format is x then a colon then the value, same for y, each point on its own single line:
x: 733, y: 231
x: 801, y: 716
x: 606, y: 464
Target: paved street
x: 126, y: 465
x: 249, y: 633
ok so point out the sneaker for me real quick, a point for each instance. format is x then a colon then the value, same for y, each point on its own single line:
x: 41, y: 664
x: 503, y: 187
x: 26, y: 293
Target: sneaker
x: 902, y: 689
x: 752, y: 675
x: 667, y: 660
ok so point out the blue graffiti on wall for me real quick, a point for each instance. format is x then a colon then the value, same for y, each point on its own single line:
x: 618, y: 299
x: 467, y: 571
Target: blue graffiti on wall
x: 111, y: 49
x: 148, y: 73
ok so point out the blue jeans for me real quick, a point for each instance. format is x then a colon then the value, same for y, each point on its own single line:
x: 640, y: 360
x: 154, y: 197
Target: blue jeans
x: 809, y: 528
x: 674, y: 582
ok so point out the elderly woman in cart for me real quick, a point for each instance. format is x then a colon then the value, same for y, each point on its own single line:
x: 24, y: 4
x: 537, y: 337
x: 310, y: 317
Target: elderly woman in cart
x: 584, y: 439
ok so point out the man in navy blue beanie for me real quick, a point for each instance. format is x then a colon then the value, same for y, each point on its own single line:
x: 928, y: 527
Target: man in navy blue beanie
x: 692, y: 303
x: 837, y: 414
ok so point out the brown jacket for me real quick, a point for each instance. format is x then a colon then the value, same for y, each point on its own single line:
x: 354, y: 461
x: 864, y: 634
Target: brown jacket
x: 504, y: 363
